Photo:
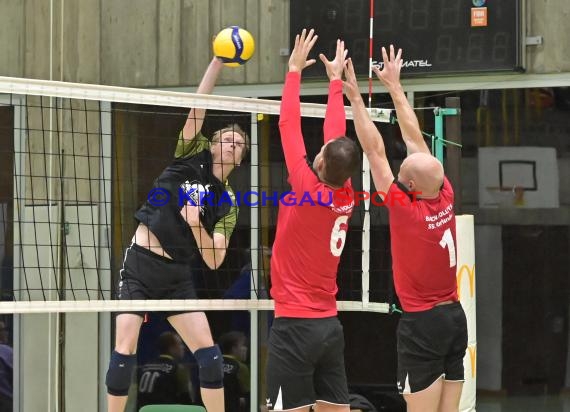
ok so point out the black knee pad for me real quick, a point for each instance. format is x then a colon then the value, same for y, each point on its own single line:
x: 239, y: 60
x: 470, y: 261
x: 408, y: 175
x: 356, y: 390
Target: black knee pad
x: 120, y: 373
x: 211, y: 364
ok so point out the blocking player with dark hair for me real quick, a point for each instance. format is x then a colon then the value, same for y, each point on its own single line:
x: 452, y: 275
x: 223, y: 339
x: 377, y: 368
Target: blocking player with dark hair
x: 305, y: 365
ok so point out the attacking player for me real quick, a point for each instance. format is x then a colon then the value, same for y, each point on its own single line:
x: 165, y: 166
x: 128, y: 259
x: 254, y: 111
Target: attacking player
x: 432, y: 333
x: 306, y: 344
x: 158, y: 264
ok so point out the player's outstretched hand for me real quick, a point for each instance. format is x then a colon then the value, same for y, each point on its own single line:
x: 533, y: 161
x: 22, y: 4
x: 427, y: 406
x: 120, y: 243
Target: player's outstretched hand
x: 390, y: 73
x: 335, y: 67
x: 303, y: 45
x: 350, y: 84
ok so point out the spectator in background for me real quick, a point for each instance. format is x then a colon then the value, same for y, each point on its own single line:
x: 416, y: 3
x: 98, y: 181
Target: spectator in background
x: 6, y: 370
x: 236, y: 373
x: 165, y: 380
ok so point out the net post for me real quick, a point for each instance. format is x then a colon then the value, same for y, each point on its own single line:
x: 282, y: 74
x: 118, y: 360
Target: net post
x: 254, y: 256
x: 438, y: 141
x: 365, y: 260
x: 440, y: 113
x: 106, y: 232
x: 370, y: 52
x: 17, y: 103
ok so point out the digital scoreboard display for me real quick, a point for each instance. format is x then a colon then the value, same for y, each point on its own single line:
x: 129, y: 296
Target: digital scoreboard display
x: 436, y: 36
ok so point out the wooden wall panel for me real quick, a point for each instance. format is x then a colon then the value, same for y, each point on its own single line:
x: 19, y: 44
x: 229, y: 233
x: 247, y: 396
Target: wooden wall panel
x: 82, y: 41
x: 252, y: 18
x: 274, y: 24
x: 12, y: 38
x: 37, y: 44
x: 154, y: 43
x: 549, y: 19
x: 225, y: 13
x: 195, y: 34
x: 157, y: 43
x: 129, y: 38
x: 169, y: 37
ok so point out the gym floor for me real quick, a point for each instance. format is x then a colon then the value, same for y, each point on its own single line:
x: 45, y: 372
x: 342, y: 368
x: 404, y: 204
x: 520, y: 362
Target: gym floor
x: 494, y: 403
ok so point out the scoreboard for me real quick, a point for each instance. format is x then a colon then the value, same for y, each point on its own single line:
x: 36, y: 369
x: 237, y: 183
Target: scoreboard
x: 436, y: 36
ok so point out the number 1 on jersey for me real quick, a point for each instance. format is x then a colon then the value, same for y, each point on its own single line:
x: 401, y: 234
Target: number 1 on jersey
x: 338, y: 235
x: 447, y: 241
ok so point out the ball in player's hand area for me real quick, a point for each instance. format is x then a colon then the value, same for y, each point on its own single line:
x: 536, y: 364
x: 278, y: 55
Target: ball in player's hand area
x: 234, y: 46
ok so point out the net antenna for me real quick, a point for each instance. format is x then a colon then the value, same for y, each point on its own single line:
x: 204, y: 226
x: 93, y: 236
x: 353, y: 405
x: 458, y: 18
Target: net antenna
x: 370, y: 53
x: 365, y: 259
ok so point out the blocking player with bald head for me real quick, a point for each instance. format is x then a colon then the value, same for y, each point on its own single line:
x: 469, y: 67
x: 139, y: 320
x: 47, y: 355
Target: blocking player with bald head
x: 432, y: 333
x: 423, y: 173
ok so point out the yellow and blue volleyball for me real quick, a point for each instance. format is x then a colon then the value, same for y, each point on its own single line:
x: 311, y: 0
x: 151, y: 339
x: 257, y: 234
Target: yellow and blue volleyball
x: 234, y: 46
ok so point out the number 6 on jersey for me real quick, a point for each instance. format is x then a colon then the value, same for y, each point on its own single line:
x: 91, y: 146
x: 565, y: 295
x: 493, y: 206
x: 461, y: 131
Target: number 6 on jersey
x: 338, y: 235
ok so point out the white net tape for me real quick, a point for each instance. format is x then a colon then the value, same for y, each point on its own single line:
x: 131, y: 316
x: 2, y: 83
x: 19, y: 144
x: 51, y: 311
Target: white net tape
x: 167, y: 305
x: 31, y: 87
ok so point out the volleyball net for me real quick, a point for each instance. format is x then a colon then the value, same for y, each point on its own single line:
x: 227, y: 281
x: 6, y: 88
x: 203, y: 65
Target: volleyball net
x: 77, y: 163
x: 79, y: 160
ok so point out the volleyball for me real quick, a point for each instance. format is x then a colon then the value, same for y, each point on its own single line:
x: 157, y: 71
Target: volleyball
x: 234, y: 46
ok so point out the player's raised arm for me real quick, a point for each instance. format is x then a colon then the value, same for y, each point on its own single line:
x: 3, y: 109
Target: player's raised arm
x: 368, y: 135
x: 195, y: 118
x: 407, y: 120
x: 290, y: 114
x: 335, y: 117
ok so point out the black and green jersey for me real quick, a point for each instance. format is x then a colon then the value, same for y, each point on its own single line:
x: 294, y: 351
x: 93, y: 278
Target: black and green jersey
x: 189, y: 176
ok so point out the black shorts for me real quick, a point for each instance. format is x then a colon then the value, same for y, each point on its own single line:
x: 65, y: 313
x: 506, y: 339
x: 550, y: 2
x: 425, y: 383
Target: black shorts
x: 431, y: 344
x: 146, y: 275
x: 305, y: 363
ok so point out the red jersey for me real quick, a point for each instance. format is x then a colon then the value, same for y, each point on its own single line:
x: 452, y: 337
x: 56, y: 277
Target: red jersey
x: 311, y: 227
x: 423, y: 248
